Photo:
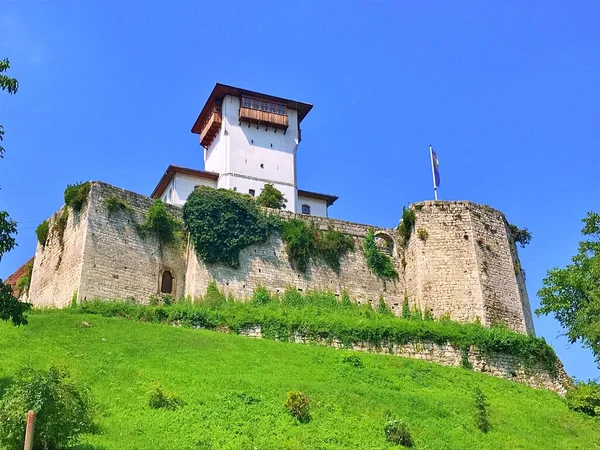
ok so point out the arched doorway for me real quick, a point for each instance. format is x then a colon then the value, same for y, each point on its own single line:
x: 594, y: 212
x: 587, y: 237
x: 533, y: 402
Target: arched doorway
x: 166, y: 283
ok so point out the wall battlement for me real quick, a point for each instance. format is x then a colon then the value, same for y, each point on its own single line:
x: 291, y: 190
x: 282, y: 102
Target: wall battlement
x: 460, y: 261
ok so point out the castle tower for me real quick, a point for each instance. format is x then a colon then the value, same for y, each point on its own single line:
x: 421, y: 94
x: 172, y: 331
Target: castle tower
x: 250, y: 139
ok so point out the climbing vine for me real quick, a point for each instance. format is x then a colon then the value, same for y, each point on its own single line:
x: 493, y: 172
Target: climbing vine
x: 115, y: 204
x: 304, y: 242
x: 222, y: 223
x: 25, y: 280
x: 379, y: 263
x: 161, y: 223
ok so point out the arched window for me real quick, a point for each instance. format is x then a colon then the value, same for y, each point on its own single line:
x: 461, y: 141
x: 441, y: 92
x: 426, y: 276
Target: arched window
x: 306, y: 209
x: 166, y: 283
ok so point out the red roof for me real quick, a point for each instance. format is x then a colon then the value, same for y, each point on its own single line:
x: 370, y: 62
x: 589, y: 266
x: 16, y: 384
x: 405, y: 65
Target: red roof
x: 170, y: 173
x: 221, y: 90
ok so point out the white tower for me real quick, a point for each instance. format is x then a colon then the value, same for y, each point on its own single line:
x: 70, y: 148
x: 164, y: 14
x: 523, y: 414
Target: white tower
x: 250, y: 139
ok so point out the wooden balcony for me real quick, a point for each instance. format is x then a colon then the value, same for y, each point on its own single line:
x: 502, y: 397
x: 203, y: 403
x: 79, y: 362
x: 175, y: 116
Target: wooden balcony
x: 211, y: 127
x: 264, y: 118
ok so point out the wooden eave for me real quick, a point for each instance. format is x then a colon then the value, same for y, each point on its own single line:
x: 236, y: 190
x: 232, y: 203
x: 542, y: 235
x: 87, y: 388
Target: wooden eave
x: 221, y: 90
x: 330, y: 199
x: 173, y: 170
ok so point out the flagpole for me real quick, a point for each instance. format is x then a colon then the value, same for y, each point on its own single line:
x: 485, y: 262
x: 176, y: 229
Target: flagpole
x: 433, y: 172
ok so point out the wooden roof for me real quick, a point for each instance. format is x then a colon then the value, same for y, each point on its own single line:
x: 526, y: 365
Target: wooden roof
x: 170, y: 173
x: 221, y: 90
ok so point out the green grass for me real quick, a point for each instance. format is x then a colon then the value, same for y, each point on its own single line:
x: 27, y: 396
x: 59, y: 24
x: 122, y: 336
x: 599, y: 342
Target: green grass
x: 234, y: 389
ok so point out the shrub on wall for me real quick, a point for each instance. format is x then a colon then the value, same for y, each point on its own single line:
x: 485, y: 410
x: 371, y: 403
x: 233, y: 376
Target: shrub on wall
x: 76, y: 195
x: 42, y: 231
x: 271, y: 197
x: 407, y: 223
x: 60, y: 225
x: 379, y: 263
x: 222, y: 223
x: 304, y: 243
x: 25, y: 281
x: 162, y: 223
x: 115, y: 204
x: 521, y: 236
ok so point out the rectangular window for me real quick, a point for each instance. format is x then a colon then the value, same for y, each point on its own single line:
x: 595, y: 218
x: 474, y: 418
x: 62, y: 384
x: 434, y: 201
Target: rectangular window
x: 252, y: 192
x: 306, y: 209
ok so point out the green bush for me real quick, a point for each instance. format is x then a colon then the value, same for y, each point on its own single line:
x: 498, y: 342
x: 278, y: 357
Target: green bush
x: 261, y: 296
x: 379, y: 263
x: 222, y: 223
x: 42, y: 231
x: 521, y: 236
x: 585, y: 397
x: 25, y: 280
x: 76, y: 195
x: 396, y: 432
x: 63, y: 409
x: 298, y: 406
x: 304, y: 243
x: 353, y: 360
x: 158, y: 398
x: 382, y: 307
x: 407, y: 223
x: 162, y: 224
x: 319, y: 316
x: 271, y: 197
x: 115, y: 204
x: 213, y: 298
x: 11, y: 308
x: 481, y: 412
x: 60, y: 225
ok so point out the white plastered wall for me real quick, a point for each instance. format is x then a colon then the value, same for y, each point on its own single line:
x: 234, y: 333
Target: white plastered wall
x: 181, y: 186
x: 317, y: 207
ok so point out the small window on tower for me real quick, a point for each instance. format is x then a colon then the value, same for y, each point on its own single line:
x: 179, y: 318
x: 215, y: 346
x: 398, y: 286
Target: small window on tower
x: 306, y: 209
x: 252, y: 192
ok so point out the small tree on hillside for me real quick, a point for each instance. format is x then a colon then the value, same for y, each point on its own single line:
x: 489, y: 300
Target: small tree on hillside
x: 10, y: 307
x: 572, y: 294
x: 271, y: 197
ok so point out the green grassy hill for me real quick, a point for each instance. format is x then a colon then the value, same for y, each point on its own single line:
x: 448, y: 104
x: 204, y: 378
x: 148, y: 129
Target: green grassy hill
x: 234, y: 388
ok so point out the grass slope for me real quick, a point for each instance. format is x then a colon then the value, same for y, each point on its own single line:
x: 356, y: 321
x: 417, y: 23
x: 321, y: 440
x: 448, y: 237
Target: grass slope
x: 235, y: 387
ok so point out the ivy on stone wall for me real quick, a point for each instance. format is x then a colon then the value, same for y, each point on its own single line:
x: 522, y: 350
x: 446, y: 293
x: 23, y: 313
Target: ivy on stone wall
x: 304, y: 242
x: 162, y: 224
x: 222, y: 223
x: 407, y: 223
x: 379, y: 263
x: 25, y: 280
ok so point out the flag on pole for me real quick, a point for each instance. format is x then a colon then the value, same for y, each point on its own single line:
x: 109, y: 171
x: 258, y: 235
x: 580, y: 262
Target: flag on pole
x: 436, y: 167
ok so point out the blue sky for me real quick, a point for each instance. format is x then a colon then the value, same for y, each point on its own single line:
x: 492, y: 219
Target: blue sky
x: 507, y: 92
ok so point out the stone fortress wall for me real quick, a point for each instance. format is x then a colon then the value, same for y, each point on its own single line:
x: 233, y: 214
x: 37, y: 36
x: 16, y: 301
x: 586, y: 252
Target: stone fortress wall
x: 460, y: 262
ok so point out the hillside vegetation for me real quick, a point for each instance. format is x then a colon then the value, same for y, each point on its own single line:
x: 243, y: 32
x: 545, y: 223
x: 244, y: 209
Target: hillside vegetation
x: 233, y: 390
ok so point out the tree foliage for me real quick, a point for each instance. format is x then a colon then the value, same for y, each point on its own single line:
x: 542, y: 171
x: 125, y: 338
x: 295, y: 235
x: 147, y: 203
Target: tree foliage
x: 521, y: 236
x: 10, y: 307
x: 572, y: 294
x: 11, y: 85
x: 63, y: 409
x: 222, y: 223
x: 271, y: 197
